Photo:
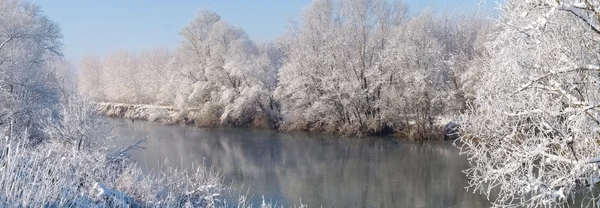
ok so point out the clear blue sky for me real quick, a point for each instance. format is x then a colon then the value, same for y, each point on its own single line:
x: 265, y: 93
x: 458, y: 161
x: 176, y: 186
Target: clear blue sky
x: 101, y: 26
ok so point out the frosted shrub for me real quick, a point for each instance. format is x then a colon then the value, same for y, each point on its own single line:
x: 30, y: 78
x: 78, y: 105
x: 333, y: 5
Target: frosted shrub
x: 49, y: 174
x: 73, y: 167
x: 76, y: 123
x: 154, y: 114
x: 532, y: 131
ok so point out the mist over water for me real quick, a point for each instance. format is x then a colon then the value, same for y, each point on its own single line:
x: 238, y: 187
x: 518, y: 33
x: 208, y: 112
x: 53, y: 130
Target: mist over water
x: 316, y: 169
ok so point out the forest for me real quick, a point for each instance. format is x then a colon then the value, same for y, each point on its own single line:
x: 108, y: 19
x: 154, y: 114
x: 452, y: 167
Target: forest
x: 523, y: 87
x: 347, y: 67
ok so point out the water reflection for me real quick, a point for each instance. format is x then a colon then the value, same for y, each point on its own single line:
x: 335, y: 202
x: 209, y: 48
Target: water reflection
x: 318, y: 169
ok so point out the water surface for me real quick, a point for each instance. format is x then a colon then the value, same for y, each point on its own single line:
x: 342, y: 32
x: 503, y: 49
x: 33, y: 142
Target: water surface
x: 319, y: 170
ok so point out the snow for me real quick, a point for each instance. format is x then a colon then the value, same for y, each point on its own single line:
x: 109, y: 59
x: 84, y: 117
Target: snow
x: 100, y: 193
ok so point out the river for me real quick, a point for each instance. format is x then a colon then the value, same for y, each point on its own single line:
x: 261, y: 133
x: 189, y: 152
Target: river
x: 315, y: 169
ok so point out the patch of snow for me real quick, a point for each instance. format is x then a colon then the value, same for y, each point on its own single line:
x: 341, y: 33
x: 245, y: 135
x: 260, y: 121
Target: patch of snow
x: 102, y: 194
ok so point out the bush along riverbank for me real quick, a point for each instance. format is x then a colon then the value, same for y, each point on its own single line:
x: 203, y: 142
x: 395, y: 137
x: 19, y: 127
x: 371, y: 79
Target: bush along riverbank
x: 409, y: 129
x: 170, y: 115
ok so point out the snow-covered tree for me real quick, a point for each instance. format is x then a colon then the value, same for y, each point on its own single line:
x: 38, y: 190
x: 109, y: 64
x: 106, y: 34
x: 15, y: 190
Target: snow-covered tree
x: 330, y: 79
x: 532, y: 132
x: 154, y: 66
x: 414, y: 88
x: 364, y: 66
x: 462, y: 37
x: 217, y: 71
x: 89, y: 82
x: 120, y: 72
x: 27, y: 40
x: 136, y: 78
x: 223, y: 73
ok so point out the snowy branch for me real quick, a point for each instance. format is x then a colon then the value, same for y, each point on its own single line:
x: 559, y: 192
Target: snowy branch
x: 5, y: 42
x: 552, y: 73
x: 584, y: 11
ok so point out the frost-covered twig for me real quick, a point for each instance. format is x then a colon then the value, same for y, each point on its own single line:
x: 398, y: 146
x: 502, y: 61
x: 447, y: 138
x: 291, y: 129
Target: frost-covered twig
x: 123, y: 153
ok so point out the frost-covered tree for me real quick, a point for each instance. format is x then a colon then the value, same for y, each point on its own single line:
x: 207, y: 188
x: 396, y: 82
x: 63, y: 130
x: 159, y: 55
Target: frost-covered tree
x: 217, y: 72
x: 27, y: 40
x: 120, y: 75
x: 532, y: 132
x: 462, y: 37
x: 154, y: 67
x: 414, y: 86
x: 330, y: 79
x: 223, y: 73
x: 365, y: 67
x: 136, y: 78
x: 89, y: 80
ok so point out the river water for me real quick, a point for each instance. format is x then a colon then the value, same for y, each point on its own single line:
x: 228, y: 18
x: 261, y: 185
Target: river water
x: 315, y: 169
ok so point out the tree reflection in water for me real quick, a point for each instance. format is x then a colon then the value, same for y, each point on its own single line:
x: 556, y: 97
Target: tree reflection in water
x: 317, y: 169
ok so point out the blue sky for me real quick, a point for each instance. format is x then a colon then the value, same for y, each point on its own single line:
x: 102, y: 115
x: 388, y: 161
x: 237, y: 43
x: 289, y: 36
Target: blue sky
x: 101, y: 26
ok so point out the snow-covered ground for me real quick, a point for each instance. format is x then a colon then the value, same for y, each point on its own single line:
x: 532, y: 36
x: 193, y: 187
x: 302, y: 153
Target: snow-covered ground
x: 52, y: 175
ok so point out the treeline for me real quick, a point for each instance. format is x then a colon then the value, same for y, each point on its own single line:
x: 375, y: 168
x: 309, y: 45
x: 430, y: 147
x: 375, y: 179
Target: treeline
x: 349, y: 67
x: 217, y: 70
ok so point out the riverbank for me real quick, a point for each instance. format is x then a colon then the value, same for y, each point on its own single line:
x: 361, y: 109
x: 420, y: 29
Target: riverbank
x: 161, y: 114
x: 169, y: 115
x: 50, y: 175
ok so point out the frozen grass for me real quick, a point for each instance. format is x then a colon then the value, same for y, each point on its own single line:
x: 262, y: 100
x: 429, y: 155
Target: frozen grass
x: 51, y: 174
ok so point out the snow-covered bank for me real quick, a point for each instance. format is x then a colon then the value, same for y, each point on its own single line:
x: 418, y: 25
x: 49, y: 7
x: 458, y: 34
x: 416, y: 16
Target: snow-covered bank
x: 162, y: 114
x: 171, y: 115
